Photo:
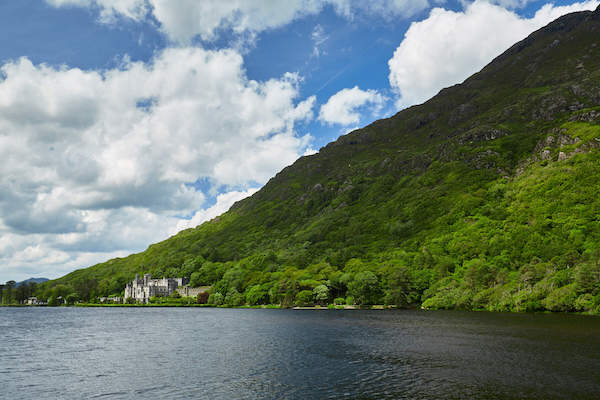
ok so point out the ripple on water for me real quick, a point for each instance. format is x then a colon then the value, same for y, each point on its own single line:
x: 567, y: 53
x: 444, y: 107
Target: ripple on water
x: 51, y: 353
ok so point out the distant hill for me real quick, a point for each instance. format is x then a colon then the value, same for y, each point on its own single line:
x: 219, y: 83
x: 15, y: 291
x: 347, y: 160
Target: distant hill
x: 32, y: 280
x: 487, y: 196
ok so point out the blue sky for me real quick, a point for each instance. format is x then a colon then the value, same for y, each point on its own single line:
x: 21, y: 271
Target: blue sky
x: 125, y: 121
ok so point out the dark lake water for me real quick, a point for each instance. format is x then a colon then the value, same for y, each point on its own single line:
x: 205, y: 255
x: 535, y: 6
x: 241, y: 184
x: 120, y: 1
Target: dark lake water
x: 196, y: 353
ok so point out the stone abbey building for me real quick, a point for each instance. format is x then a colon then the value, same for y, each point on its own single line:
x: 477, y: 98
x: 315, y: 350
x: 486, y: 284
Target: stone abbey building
x: 142, y: 289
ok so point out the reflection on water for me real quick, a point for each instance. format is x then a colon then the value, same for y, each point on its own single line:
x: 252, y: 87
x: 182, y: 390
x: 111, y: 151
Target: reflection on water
x: 166, y: 353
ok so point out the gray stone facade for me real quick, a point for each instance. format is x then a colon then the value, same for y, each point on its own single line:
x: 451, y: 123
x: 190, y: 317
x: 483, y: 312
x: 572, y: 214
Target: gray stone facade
x: 141, y: 290
x: 187, y: 291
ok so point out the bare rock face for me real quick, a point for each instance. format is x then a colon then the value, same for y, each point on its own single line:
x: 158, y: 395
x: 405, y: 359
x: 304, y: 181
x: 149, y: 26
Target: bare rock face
x: 565, y: 140
x: 318, y: 188
x: 461, y: 113
x: 481, y: 135
x: 545, y: 155
x: 483, y: 160
x: 346, y: 188
x: 549, y: 107
x: 590, y: 116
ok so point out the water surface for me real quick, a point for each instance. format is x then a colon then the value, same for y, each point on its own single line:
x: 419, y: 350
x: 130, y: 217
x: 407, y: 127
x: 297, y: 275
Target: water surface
x: 192, y: 353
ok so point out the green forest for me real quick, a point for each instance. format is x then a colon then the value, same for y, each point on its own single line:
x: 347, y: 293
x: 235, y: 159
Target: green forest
x: 486, y: 197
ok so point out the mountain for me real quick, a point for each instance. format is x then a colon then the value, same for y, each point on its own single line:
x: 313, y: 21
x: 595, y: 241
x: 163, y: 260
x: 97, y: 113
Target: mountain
x: 31, y: 280
x: 484, y: 197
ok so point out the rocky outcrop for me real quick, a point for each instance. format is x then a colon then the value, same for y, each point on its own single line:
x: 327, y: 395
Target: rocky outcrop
x: 481, y: 134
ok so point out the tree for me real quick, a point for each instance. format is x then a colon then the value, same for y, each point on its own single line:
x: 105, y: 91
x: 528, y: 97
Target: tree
x: 399, y: 288
x: 234, y: 298
x: 587, y: 278
x: 321, y: 294
x: 256, y: 295
x: 85, y: 287
x: 304, y: 298
x: 197, y: 279
x: 21, y: 293
x: 10, y: 285
x: 1, y: 293
x: 365, y: 288
x: 216, y: 299
x: 191, y: 265
x: 32, y: 289
x: 71, y: 299
x: 478, y: 274
x: 53, y: 301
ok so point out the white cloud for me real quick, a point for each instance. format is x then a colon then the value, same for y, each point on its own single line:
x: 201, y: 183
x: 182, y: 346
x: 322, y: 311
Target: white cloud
x: 382, y: 8
x: 224, y: 202
x: 101, y: 162
x: 345, y: 107
x: 109, y: 9
x: 448, y: 46
x: 512, y: 3
x: 310, y: 151
x: 318, y: 37
x: 182, y: 20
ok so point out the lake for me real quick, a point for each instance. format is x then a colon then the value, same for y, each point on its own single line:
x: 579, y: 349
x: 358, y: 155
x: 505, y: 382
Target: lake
x: 194, y: 353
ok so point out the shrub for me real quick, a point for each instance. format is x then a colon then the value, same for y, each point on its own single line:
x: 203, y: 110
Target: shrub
x: 202, y: 298
x: 339, y: 301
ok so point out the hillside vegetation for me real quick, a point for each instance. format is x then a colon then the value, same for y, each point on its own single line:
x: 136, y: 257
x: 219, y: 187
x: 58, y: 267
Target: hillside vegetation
x: 487, y: 197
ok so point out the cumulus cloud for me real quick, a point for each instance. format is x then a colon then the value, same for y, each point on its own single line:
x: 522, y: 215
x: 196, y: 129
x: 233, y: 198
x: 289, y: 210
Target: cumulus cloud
x: 101, y: 162
x: 223, y: 203
x: 346, y: 106
x: 182, y: 20
x: 382, y: 8
x: 448, y: 46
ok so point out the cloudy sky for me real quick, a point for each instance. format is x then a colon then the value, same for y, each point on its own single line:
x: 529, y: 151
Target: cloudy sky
x: 125, y: 121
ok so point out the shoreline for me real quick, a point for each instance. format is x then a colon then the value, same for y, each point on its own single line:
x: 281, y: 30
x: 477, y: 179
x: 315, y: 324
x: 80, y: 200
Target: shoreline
x: 376, y: 307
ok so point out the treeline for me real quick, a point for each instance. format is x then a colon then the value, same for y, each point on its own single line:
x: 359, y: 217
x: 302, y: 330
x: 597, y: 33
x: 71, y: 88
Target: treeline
x: 11, y: 294
x: 85, y: 290
x: 408, y: 280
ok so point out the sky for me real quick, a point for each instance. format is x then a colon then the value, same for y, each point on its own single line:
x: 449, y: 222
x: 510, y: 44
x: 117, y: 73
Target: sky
x: 123, y: 122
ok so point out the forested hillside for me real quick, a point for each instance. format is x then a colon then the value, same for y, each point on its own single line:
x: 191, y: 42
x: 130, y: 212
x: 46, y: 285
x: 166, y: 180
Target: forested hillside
x: 487, y: 196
